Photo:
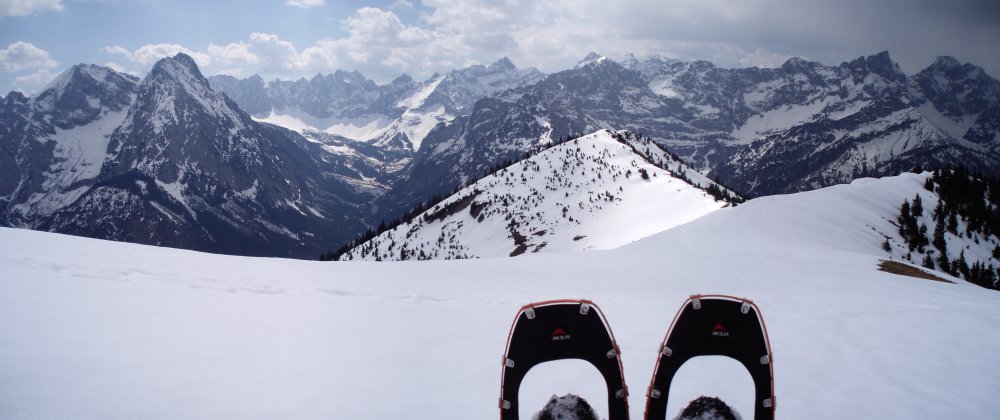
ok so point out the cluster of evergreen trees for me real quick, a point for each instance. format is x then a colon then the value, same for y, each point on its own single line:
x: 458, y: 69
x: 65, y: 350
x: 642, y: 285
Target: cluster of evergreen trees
x: 718, y: 191
x: 968, y: 207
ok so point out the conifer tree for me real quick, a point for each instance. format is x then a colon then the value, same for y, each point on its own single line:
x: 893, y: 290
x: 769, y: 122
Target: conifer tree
x: 962, y: 266
x: 939, y: 241
x: 928, y: 262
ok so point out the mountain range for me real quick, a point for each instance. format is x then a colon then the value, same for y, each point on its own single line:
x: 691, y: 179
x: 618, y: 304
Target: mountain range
x: 292, y: 168
x: 762, y: 131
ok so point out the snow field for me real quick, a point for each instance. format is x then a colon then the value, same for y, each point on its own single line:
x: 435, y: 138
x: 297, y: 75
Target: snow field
x: 93, y: 329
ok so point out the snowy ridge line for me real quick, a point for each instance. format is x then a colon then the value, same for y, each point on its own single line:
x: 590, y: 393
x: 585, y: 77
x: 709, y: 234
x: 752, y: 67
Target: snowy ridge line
x: 658, y: 155
x: 592, y: 192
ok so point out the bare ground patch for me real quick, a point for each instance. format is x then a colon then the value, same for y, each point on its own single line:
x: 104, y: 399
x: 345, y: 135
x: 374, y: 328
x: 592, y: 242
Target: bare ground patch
x: 896, y: 267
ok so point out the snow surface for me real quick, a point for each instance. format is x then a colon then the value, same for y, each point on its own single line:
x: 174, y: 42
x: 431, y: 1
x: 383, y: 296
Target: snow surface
x: 776, y: 120
x: 947, y: 125
x: 415, y: 123
x: 417, y: 99
x: 362, y: 128
x: 95, y: 329
x: 78, y: 154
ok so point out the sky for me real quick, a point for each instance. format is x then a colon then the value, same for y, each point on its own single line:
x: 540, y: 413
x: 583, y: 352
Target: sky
x: 289, y: 39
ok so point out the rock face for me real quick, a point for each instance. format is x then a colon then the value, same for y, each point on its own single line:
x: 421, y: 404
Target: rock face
x: 178, y: 164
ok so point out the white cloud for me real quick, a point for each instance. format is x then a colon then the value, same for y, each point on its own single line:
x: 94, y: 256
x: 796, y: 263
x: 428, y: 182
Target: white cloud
x: 116, y: 49
x: 28, y: 7
x: 552, y: 35
x: 401, y: 4
x: 33, y: 82
x: 237, y: 53
x: 147, y: 55
x: 277, y: 56
x: 305, y: 4
x: 23, y: 55
x: 120, y: 68
x: 382, y: 46
x: 763, y: 58
x: 237, y: 59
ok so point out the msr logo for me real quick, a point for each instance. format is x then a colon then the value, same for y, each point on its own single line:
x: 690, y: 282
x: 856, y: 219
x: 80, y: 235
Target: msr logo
x: 719, y: 330
x: 559, y: 334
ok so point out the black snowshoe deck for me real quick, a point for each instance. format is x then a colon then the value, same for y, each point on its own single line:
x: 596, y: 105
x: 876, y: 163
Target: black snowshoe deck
x: 556, y: 330
x: 715, y: 325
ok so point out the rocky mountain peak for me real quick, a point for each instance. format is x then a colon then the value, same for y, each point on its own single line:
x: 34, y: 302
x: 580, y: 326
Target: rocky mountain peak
x: 880, y: 64
x: 945, y: 62
x: 403, y: 79
x: 503, y: 64
x: 83, y: 92
x: 15, y: 97
x: 178, y: 67
x: 797, y: 63
x: 591, y: 58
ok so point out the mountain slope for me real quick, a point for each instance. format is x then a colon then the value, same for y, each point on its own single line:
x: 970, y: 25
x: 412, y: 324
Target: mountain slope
x: 152, y: 326
x: 187, y: 168
x: 53, y: 145
x: 599, y: 191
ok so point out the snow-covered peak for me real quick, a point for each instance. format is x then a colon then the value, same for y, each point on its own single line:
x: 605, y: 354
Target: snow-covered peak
x: 646, y: 64
x: 403, y: 79
x: 599, y: 191
x: 15, y: 96
x: 84, y: 92
x: 880, y: 64
x: 170, y: 85
x: 945, y: 62
x: 798, y: 63
x: 948, y: 70
x: 180, y: 68
x: 85, y: 74
x: 591, y: 58
x: 503, y: 64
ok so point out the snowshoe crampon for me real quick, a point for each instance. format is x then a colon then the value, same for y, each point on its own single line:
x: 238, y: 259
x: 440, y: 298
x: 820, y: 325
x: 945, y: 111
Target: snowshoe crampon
x: 556, y: 330
x: 715, y: 325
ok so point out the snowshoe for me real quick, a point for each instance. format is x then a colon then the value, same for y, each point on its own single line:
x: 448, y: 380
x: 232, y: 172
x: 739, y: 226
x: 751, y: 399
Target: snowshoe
x: 715, y: 325
x: 556, y: 330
